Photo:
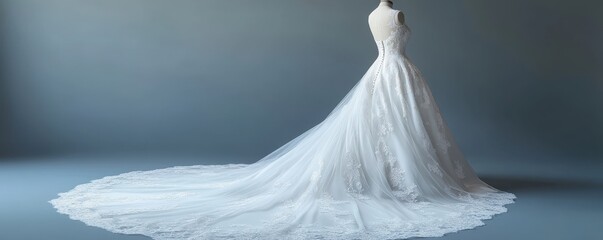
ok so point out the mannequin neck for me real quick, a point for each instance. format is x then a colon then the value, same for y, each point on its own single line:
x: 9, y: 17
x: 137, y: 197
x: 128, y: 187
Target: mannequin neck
x: 386, y: 4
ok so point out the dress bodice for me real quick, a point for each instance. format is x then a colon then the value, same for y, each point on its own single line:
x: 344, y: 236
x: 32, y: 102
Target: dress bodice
x: 396, y: 41
x: 391, y: 48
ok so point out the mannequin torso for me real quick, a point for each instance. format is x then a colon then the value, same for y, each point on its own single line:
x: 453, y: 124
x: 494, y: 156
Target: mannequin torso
x: 380, y: 20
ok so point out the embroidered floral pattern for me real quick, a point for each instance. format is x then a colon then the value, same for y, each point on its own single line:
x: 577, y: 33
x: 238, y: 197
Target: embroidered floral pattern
x: 435, y: 169
x: 352, y: 174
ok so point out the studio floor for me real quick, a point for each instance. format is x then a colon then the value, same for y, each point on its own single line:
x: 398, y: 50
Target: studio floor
x: 557, y: 198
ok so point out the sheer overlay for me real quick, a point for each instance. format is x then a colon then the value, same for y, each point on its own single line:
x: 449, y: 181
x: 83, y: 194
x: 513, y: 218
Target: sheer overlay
x: 382, y: 165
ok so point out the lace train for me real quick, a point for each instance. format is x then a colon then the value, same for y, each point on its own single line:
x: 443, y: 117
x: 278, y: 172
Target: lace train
x: 91, y: 203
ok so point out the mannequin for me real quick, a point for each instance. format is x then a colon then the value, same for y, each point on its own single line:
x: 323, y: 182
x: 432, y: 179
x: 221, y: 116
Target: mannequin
x: 380, y: 21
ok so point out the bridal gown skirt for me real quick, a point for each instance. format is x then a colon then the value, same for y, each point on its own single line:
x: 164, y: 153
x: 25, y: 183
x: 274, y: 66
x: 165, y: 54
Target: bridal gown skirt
x: 381, y: 165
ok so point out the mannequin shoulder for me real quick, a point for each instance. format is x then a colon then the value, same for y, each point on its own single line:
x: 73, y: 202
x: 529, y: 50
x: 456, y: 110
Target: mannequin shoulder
x: 371, y: 17
x: 400, y: 18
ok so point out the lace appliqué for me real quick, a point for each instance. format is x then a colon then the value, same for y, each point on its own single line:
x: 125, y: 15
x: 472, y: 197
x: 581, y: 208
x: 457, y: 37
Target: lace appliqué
x: 385, y: 127
x: 458, y: 170
x: 435, y: 169
x: 352, y: 173
x: 316, y: 175
x: 401, y: 95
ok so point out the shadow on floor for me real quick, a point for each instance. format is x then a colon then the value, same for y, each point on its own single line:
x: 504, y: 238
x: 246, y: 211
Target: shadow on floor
x: 521, y: 184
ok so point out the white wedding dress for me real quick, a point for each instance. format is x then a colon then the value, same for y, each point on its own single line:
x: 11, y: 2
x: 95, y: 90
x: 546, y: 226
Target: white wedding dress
x: 381, y: 165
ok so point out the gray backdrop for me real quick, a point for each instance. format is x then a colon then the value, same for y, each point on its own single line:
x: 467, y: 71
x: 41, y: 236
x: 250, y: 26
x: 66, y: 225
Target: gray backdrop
x: 512, y: 78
